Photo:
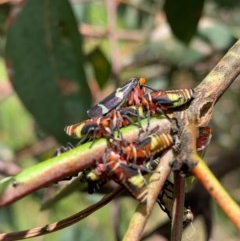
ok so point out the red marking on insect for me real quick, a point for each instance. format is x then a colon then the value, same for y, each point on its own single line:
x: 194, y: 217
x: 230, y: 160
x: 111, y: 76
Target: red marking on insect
x: 129, y: 93
x: 204, y: 138
x: 148, y: 147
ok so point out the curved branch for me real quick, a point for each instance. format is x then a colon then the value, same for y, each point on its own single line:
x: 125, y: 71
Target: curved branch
x: 199, y: 114
x: 209, y: 91
x: 53, y: 227
x: 69, y: 163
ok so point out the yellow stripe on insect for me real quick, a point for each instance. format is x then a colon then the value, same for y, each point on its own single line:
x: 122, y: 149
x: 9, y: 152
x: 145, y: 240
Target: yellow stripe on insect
x: 137, y: 186
x: 74, y: 130
x: 180, y: 97
x: 160, y: 142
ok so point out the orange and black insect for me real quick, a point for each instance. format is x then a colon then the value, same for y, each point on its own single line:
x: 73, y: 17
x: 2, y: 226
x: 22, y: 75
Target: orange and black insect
x: 140, y: 152
x: 127, y: 174
x: 160, y: 101
x: 104, y: 126
x: 93, y: 179
x: 126, y: 163
x: 131, y: 174
x: 89, y: 129
x: 130, y: 93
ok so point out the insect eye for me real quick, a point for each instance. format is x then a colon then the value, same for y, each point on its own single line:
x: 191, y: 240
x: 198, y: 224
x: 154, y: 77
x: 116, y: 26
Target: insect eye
x: 142, y: 81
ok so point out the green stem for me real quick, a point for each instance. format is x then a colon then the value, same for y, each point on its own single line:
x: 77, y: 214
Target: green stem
x: 67, y: 164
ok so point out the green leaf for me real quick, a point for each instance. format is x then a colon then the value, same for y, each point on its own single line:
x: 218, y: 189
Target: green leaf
x: 218, y: 35
x: 225, y: 4
x: 101, y: 66
x: 177, y: 54
x: 45, y: 58
x: 183, y: 17
x: 4, y: 14
x: 97, y: 13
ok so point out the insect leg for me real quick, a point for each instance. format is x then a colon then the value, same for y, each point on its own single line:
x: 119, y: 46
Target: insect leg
x: 63, y: 149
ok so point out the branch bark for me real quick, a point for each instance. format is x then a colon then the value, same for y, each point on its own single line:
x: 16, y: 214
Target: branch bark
x: 199, y: 113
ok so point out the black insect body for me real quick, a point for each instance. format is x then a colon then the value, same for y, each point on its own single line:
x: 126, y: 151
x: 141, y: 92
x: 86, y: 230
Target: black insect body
x: 161, y: 101
x: 104, y: 126
x: 126, y: 163
x: 130, y: 93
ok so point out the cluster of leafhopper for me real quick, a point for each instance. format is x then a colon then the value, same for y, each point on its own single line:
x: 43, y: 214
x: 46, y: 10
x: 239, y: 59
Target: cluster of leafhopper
x: 126, y: 162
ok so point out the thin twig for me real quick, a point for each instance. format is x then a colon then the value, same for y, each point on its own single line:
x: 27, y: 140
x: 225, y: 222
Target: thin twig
x: 99, y: 32
x: 178, y: 205
x: 116, y: 210
x: 142, y: 213
x: 53, y: 227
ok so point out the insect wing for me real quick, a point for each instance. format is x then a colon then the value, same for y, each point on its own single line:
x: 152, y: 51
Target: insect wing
x: 180, y: 97
x: 120, y: 171
x: 172, y: 98
x: 129, y: 111
x: 136, y: 185
x: 104, y: 106
x: 81, y: 129
x: 113, y: 100
x: 129, y: 177
x: 143, y: 149
x: 161, y: 98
